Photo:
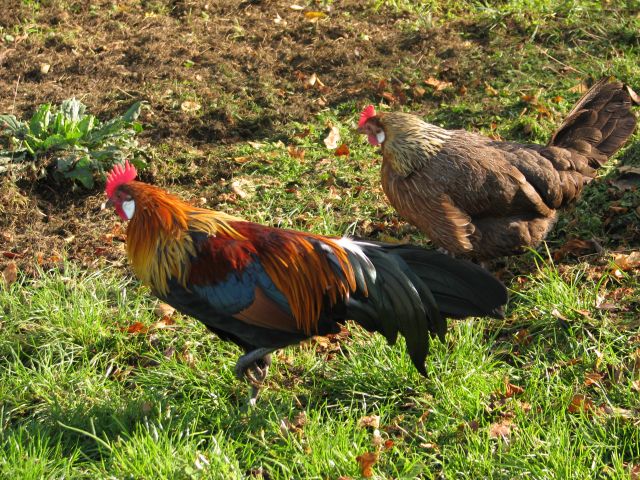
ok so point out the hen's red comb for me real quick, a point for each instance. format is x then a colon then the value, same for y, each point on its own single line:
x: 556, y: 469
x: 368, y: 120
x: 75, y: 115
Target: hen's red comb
x: 119, y: 175
x: 366, y: 114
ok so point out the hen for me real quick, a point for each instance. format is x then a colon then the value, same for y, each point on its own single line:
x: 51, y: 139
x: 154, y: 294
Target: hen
x: 265, y: 288
x: 484, y: 198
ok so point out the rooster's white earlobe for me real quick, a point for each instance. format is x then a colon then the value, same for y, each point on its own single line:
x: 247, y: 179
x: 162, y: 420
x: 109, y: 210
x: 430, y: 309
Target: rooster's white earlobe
x: 129, y: 208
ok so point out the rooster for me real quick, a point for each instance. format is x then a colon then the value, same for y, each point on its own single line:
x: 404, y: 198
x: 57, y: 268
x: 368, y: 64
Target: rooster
x: 264, y: 288
x: 483, y: 198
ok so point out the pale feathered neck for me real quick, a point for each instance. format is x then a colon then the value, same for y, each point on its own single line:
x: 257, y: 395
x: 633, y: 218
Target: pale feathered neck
x: 410, y: 142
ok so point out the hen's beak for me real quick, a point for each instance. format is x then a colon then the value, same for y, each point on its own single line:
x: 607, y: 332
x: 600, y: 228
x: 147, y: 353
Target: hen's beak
x: 106, y: 204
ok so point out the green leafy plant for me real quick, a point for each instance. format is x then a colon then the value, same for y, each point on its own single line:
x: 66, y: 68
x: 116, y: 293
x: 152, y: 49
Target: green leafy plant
x: 74, y: 145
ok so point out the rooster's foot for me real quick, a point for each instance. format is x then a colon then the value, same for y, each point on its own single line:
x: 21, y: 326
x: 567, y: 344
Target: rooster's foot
x: 254, y: 366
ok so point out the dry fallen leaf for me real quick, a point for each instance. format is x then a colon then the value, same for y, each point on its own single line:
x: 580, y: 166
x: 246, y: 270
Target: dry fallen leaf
x: 512, y: 390
x: 377, y: 440
x: 636, y: 385
x: 163, y: 310
x: 575, y: 247
x: 627, y: 261
x: 235, y: 188
x: 189, y: 106
x: 501, y: 430
x: 366, y: 462
x: 10, y: 273
x: 490, y: 90
x: 419, y: 92
x: 136, y: 327
x: 592, y: 378
x: 579, y: 88
x: 580, y: 403
x: 164, y: 322
x: 187, y: 357
x: 314, y: 15
x: 295, y: 152
x: 372, y: 421
x: 523, y: 337
x: 634, y: 471
x: 438, y: 85
x: 332, y: 139
x: 628, y: 179
x: 342, y: 150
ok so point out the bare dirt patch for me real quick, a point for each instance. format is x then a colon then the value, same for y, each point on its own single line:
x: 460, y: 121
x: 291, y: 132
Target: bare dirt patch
x: 212, y: 72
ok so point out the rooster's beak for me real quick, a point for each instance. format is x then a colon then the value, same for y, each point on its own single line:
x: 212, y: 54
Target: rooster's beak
x: 106, y: 204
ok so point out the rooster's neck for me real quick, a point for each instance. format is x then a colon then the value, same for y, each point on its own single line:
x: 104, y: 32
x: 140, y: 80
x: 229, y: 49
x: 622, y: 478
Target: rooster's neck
x: 410, y: 142
x: 159, y: 243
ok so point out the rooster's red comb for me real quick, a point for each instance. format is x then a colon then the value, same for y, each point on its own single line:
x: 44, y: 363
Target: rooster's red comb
x: 119, y: 175
x: 366, y: 114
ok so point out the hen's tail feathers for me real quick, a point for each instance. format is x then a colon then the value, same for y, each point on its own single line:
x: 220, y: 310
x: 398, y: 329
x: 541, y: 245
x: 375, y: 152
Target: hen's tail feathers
x: 600, y: 123
x: 414, y: 290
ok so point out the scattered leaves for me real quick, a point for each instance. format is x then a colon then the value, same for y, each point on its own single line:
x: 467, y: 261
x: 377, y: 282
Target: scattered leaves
x: 579, y: 88
x: 367, y: 461
x: 575, y: 247
x: 10, y: 273
x: 628, y: 179
x: 523, y: 337
x: 294, y: 426
x: 490, y: 90
x: 235, y: 188
x: 501, y: 430
x: 627, y: 262
x: 314, y: 15
x: 372, y: 421
x: 135, y: 328
x: 296, y: 152
x: 190, y: 106
x: 512, y: 389
x: 164, y: 322
x: 342, y: 151
x: 438, y: 85
x: 187, y: 357
x: 333, y: 139
x: 163, y: 310
x: 592, y: 378
x: 580, y: 403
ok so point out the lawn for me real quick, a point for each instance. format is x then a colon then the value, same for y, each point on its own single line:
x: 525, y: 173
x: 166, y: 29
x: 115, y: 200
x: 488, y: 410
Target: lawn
x: 97, y: 381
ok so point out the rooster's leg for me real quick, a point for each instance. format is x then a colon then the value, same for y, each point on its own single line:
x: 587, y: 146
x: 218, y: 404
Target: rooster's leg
x: 254, y: 366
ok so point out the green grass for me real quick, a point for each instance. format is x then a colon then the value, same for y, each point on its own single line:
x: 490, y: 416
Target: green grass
x: 83, y: 398
x: 80, y: 397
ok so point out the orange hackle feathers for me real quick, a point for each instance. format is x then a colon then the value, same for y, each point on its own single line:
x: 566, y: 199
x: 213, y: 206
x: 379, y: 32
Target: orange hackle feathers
x: 119, y: 176
x: 158, y: 244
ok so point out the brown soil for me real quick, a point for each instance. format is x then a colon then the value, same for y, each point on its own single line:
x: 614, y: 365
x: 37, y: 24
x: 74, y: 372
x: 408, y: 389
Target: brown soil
x: 247, y: 64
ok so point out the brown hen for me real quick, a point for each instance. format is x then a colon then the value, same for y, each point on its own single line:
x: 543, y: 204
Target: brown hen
x: 484, y: 198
